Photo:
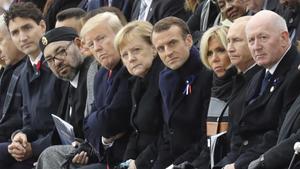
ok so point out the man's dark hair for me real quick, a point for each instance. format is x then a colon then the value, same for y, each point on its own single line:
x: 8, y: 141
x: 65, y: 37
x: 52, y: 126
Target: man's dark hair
x: 26, y: 10
x: 166, y: 23
x: 103, y: 9
x: 77, y: 13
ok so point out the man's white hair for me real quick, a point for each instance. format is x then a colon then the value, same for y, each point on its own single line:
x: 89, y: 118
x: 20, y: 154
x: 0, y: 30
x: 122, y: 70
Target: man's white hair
x: 107, y: 18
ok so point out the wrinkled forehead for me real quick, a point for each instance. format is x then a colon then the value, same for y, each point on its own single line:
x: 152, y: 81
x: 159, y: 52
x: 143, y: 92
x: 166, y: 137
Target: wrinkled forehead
x: 237, y: 30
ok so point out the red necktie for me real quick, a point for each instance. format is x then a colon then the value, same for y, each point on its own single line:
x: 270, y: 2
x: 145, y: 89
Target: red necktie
x: 38, y: 66
x: 109, y: 74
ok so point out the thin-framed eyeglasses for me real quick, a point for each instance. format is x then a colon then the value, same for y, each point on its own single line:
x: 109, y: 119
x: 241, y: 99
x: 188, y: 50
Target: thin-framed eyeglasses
x: 59, y: 55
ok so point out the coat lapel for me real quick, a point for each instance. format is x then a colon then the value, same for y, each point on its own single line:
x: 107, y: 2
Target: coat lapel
x: 136, y: 10
x: 254, y: 87
x: 35, y: 74
x: 151, y: 11
x: 135, y: 92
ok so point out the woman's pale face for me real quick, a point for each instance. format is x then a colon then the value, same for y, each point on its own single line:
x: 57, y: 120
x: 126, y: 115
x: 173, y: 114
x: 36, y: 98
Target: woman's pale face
x: 137, y: 56
x: 217, y: 57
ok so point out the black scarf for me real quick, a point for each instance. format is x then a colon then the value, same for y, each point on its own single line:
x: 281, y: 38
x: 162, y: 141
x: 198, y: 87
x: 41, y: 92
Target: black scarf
x: 222, y: 86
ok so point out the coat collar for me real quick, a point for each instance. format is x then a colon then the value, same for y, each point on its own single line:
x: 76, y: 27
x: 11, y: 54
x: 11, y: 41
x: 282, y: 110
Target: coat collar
x: 31, y: 71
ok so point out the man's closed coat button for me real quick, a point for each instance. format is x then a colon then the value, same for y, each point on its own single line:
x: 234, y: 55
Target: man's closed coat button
x: 171, y: 131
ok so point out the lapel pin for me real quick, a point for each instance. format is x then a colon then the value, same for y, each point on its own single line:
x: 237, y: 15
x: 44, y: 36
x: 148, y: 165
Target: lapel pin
x: 188, y: 88
x: 272, y: 89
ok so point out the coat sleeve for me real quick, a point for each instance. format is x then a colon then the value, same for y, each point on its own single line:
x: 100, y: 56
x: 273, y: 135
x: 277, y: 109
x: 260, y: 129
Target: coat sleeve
x: 193, y: 152
x: 41, y: 144
x: 283, y: 151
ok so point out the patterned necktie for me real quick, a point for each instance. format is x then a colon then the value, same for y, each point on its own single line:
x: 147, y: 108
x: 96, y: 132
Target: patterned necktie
x: 142, y: 10
x: 109, y: 82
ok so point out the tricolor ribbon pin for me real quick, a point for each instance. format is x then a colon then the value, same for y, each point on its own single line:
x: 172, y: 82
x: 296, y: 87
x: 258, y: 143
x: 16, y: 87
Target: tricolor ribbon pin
x: 188, y: 88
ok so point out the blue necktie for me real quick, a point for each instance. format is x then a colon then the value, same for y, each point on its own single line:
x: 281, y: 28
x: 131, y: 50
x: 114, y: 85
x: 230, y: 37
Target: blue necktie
x: 265, y: 82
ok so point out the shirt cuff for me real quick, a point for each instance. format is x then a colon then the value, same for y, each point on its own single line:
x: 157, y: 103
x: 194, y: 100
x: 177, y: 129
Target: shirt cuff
x: 106, y: 145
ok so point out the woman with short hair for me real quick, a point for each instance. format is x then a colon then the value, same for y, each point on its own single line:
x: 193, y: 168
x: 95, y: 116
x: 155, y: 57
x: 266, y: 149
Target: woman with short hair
x: 140, y: 58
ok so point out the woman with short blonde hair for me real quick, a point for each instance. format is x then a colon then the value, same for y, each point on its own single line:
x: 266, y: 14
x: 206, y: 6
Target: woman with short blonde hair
x: 139, y: 56
x: 217, y: 32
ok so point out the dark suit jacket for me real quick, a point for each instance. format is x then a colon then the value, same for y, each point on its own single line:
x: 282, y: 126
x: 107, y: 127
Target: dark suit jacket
x: 11, y: 115
x: 196, y: 22
x: 110, y: 112
x: 271, y: 5
x: 292, y: 18
x: 55, y: 8
x: 262, y: 117
x: 146, y: 115
x: 76, y: 97
x: 160, y: 9
x: 42, y: 93
x: 124, y: 5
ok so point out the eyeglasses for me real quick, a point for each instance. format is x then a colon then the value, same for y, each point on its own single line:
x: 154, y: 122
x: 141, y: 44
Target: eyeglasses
x: 60, y: 55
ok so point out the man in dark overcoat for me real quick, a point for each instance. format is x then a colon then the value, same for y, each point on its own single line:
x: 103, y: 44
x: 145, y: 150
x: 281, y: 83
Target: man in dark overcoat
x: 41, y: 90
x: 185, y: 88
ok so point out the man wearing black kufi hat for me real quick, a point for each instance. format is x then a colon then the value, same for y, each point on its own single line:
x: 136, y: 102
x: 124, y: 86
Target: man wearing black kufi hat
x: 60, y: 47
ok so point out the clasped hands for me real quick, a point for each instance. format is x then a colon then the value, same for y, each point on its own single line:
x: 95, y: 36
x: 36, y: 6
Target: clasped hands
x: 20, y: 149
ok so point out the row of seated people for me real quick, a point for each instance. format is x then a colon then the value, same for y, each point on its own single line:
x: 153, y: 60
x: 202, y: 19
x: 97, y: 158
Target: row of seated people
x: 180, y: 129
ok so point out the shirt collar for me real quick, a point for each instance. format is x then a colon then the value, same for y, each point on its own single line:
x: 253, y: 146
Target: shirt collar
x: 148, y: 2
x: 74, y: 82
x: 273, y: 68
x: 37, y: 59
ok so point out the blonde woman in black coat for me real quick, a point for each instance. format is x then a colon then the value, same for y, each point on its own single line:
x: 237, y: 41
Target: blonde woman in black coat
x: 140, y: 58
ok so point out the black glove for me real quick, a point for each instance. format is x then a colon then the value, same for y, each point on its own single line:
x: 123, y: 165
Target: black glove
x: 92, y: 153
x: 257, y: 164
x: 184, y: 165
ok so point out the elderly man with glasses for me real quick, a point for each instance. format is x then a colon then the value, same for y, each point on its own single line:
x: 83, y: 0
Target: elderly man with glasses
x: 60, y: 47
